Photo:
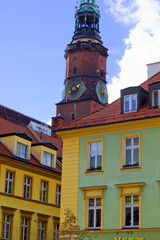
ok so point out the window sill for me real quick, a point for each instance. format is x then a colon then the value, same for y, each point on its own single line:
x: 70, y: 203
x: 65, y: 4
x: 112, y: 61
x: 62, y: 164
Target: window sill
x: 93, y: 229
x: 93, y: 171
x: 130, y: 167
x: 130, y: 228
x: 131, y: 111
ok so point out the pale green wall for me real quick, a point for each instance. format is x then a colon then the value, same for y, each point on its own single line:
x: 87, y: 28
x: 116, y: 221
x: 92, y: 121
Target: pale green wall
x: 149, y: 173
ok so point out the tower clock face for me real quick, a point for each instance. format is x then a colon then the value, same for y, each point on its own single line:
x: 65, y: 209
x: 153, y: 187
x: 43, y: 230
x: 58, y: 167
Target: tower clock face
x: 101, y: 91
x: 74, y: 89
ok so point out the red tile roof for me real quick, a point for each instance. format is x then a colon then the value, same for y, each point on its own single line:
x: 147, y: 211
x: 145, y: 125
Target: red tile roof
x: 56, y: 141
x: 112, y: 112
x: 4, y: 150
x: 8, y: 126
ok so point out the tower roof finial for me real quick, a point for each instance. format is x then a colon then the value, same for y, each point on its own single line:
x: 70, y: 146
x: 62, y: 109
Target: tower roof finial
x: 88, y: 1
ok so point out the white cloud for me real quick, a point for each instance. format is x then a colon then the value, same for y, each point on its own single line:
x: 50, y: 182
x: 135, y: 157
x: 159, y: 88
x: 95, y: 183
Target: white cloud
x: 49, y: 122
x: 142, y: 44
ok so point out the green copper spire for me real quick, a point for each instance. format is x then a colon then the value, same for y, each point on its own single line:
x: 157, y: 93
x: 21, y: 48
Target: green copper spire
x: 88, y: 5
x: 87, y: 21
x: 88, y: 1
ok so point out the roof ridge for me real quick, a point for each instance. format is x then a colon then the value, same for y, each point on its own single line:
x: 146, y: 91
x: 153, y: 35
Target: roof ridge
x: 149, y: 79
x: 34, y: 133
x: 22, y: 114
x: 80, y: 118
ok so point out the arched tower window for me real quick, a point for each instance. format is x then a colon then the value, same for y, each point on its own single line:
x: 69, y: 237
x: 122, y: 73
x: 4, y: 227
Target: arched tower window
x: 75, y: 70
x: 102, y: 73
x: 73, y: 117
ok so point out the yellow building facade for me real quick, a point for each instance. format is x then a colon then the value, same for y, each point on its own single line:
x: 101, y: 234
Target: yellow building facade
x: 30, y: 185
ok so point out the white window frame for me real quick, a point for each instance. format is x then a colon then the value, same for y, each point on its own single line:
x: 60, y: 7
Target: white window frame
x: 46, y: 160
x: 94, y: 208
x: 44, y: 186
x: 96, y: 152
x: 58, y: 198
x: 132, y: 207
x: 20, y: 152
x: 6, y: 226
x: 153, y: 91
x: 56, y: 231
x: 25, y: 229
x: 132, y: 147
x: 9, y: 182
x: 27, y: 187
x: 130, y: 103
x: 42, y: 230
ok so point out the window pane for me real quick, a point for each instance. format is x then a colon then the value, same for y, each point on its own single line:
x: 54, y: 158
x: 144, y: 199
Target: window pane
x: 91, y: 202
x: 127, y: 216
x: 18, y: 147
x: 128, y: 142
x: 98, y: 202
x: 155, y: 98
x: 128, y: 157
x: 10, y: 175
x: 134, y: 102
x: 136, y: 216
x: 128, y: 200
x: 136, y: 156
x: 126, y: 104
x: 136, y: 199
x: 99, y: 146
x: 98, y: 217
x: 99, y: 160
x: 49, y: 160
x: 45, y: 158
x: 91, y: 218
x: 92, y: 160
x: 135, y: 141
x: 93, y: 147
x: 6, y: 227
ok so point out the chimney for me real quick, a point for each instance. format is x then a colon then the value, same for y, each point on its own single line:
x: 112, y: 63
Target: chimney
x: 153, y: 68
x: 57, y: 122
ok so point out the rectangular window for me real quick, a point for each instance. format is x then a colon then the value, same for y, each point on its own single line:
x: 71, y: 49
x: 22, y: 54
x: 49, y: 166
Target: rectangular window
x: 131, y: 211
x: 130, y: 103
x: 48, y: 159
x: 94, y: 155
x: 43, y: 191
x: 9, y: 182
x: 156, y: 98
x: 58, y: 200
x: 6, y: 226
x: 94, y: 213
x: 21, y: 150
x: 131, y: 151
x: 25, y: 229
x: 56, y: 231
x: 42, y: 230
x: 27, y: 187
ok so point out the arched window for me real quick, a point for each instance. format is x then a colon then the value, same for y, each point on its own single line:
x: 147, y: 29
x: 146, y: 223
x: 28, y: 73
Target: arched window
x: 73, y: 117
x: 102, y: 73
x: 75, y: 70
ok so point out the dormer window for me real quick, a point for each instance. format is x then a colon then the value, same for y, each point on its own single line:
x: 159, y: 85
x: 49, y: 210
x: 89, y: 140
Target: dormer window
x: 132, y: 99
x: 156, y: 98
x: 21, y: 150
x: 48, y: 159
x: 130, y: 103
x: 154, y: 95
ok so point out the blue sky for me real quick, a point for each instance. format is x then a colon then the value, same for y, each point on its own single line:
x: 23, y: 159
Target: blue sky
x: 35, y: 33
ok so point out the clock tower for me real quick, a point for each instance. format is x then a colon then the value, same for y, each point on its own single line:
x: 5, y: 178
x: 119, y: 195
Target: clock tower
x: 85, y: 81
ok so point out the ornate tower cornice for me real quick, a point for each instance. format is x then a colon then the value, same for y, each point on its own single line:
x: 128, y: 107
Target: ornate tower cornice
x: 86, y: 47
